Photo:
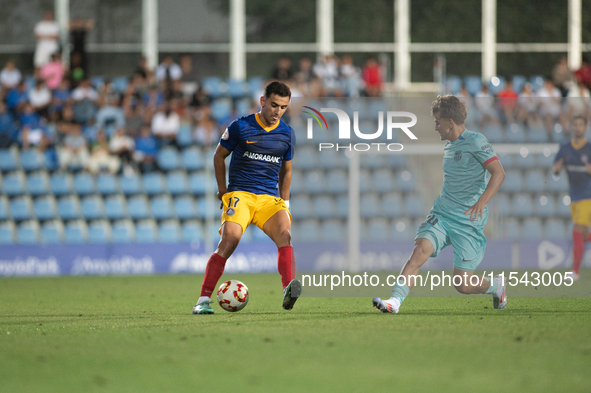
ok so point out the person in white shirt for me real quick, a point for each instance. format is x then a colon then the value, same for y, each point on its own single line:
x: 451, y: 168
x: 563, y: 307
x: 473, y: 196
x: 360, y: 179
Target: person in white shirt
x: 166, y: 124
x: 40, y: 98
x: 528, y: 104
x: 46, y: 34
x: 85, y: 91
x: 485, y: 103
x: 578, y: 101
x: 10, y: 76
x: 550, y: 104
x: 168, y: 69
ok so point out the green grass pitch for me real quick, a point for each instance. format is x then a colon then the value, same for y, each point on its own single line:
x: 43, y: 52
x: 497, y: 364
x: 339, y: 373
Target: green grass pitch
x: 137, y: 334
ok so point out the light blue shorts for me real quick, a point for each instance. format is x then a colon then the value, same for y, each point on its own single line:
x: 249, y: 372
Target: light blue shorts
x: 468, y: 241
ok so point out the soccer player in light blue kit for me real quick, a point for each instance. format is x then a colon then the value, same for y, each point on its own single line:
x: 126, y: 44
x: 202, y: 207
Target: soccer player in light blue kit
x: 459, y: 213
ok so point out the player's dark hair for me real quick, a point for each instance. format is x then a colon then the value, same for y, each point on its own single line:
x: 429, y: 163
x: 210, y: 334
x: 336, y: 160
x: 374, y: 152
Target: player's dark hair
x: 580, y: 117
x: 277, y: 88
x: 450, y: 107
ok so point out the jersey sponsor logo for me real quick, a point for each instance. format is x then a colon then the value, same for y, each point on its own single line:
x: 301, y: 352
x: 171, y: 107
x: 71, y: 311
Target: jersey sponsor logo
x: 251, y: 141
x: 262, y: 157
x: 226, y: 135
x: 487, y: 148
x: 458, y: 156
x: 576, y: 168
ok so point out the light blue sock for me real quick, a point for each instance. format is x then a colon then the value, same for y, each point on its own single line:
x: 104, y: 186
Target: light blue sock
x: 400, y: 291
x: 494, y: 285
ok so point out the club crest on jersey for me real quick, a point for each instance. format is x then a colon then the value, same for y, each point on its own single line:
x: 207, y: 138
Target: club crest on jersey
x: 458, y: 156
x: 584, y: 158
x: 230, y: 212
x: 226, y: 135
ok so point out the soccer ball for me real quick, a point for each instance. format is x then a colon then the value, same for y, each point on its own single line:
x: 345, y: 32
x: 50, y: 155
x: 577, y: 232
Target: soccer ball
x: 233, y: 295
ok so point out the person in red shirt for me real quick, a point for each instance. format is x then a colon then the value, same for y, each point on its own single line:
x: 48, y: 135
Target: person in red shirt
x: 583, y: 74
x: 372, y: 76
x: 508, y: 101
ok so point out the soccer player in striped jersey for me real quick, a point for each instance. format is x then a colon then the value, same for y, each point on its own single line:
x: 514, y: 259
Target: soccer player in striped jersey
x: 574, y: 157
x: 262, y: 147
x: 459, y: 213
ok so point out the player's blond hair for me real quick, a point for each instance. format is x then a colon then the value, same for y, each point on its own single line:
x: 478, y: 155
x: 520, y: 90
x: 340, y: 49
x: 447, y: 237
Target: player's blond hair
x: 450, y: 107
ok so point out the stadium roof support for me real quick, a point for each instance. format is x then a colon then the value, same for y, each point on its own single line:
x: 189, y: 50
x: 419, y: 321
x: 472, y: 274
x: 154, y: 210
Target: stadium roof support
x: 325, y: 27
x: 489, y: 39
x: 575, y: 33
x: 62, y: 17
x: 402, y: 44
x: 237, y: 39
x: 150, y: 32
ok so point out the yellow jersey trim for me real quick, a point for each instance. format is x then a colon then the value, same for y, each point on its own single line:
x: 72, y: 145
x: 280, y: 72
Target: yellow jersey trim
x: 577, y: 146
x: 271, y: 128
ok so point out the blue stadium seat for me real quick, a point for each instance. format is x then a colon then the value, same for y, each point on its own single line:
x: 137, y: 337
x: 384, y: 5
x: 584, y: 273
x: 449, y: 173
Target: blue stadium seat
x: 522, y: 205
x: 185, y: 208
x: 525, y: 162
x: 405, y: 181
x: 515, y: 133
x: 123, y: 231
x: 208, y: 209
x: 555, y: 229
x: 198, y: 183
x: 237, y: 88
x: 169, y: 232
x: 221, y: 109
x: 131, y: 185
x: 32, y: 160
x: 395, y: 160
x: 97, y: 81
x: 510, y: 229
x: 383, y: 180
x: 28, y: 233
x: 453, y: 84
x: 537, y: 82
x: 76, y: 232
x: 392, y: 205
x: 146, y: 231
x: 532, y: 228
x: 21, y: 209
x: 377, y: 229
x: 545, y: 205
x: 402, y: 229
x: 501, y: 204
x: 115, y: 207
x: 213, y: 86
x: 493, y: 88
x: 256, y: 84
x: 557, y: 183
x: 154, y: 183
x: 473, y: 84
x: 324, y: 207
x: 537, y: 135
x: 518, y: 82
x: 7, y: 231
x: 38, y: 183
x: 301, y: 207
x: 61, y: 184
x: 332, y: 159
x: 120, y: 83
x: 177, y: 183
x: 372, y: 160
x: 494, y: 133
x: 563, y: 206
x: 337, y: 181
x: 184, y: 138
x: 507, y: 160
x: 138, y: 207
x: 209, y: 152
x: 535, y: 180
x: 545, y: 161
x: 92, y: 208
x: 315, y: 182
x: 342, y: 206
x: 8, y: 160
x: 513, y: 181
x: 191, y: 231
x: 309, y: 230
x: 333, y: 230
x: 365, y: 181
x: 107, y: 184
x: 169, y: 159
x: 297, y: 182
x: 415, y: 206
x: 84, y: 184
x: 99, y: 232
x: 162, y: 208
x: 192, y: 159
x: 257, y: 234
x: 369, y: 206
x: 4, y: 209
x: 14, y: 184
x: 52, y: 232
x: 307, y: 158
x: 45, y: 208
x: 68, y: 208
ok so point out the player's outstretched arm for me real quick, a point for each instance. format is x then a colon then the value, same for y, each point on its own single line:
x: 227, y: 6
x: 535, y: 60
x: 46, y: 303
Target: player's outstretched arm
x: 496, y: 179
x: 285, y: 180
x: 558, y: 166
x: 219, y: 167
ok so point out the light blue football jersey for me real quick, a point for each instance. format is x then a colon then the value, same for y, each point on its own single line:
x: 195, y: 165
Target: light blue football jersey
x: 464, y: 176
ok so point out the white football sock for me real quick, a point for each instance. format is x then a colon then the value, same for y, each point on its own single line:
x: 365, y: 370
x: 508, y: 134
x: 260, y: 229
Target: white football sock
x: 203, y: 299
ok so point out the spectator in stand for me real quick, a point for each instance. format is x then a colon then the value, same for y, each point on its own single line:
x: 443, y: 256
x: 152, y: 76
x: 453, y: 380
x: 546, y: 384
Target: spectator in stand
x: 32, y: 127
x: 46, y: 34
x: 282, y: 71
x: 305, y: 78
x: 100, y: 158
x: 77, y: 73
x: 485, y: 103
x: 8, y: 132
x: 153, y: 99
x: 207, y: 132
x: 40, y: 98
x: 146, y: 150
x: 199, y: 100
x: 74, y: 153
x: 144, y: 71
x: 60, y: 96
x: 108, y: 94
x: 122, y: 146
x: 190, y: 77
x: 528, y: 103
x: 578, y: 102
x: 166, y: 124
x: 17, y: 97
x: 372, y: 76
x: 85, y: 91
x: 350, y: 77
x: 167, y: 72
x: 111, y: 114
x: 327, y: 71
x: 562, y: 75
x: 85, y: 98
x: 10, y: 76
x: 550, y: 104
x: 53, y: 72
x: 79, y: 28
x: 583, y: 74
x: 508, y: 102
x: 134, y: 117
